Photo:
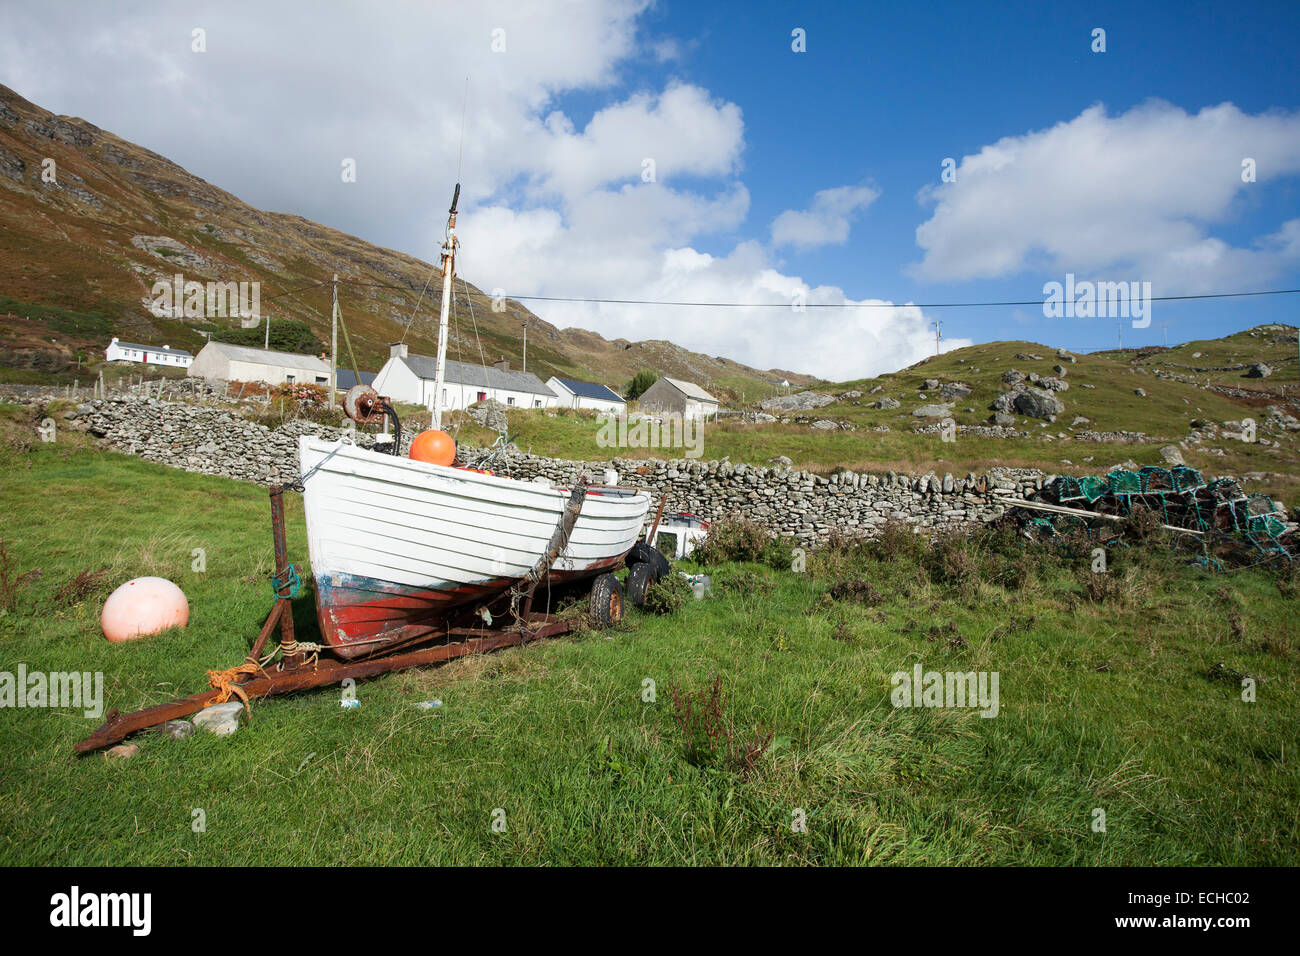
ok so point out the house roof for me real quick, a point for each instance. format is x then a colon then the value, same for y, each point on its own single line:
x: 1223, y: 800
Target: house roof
x: 690, y: 390
x: 462, y: 373
x: 150, y: 348
x: 590, y: 389
x: 242, y: 353
x: 347, y: 378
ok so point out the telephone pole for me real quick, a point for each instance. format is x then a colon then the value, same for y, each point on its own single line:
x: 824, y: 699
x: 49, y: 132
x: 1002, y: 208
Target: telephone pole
x: 334, y: 340
x: 525, y: 346
x: 938, y: 334
x: 267, y: 344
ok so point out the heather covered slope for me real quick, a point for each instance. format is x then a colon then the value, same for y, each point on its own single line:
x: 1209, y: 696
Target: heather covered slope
x: 119, y: 217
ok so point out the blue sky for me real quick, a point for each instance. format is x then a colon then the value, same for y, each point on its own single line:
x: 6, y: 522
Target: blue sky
x: 778, y: 175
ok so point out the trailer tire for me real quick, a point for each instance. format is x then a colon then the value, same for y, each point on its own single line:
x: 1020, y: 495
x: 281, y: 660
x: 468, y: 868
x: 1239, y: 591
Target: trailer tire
x: 642, y: 553
x: 606, y: 600
x: 639, y: 579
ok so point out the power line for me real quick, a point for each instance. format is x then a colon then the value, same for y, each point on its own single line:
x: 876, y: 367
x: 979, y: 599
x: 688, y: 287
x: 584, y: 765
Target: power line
x: 862, y: 305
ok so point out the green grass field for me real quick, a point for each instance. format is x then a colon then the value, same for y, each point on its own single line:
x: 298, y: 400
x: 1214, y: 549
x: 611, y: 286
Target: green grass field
x: 1113, y: 703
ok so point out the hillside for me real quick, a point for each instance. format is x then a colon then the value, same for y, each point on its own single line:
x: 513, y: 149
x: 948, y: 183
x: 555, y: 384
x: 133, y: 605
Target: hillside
x: 78, y: 257
x: 1105, y: 421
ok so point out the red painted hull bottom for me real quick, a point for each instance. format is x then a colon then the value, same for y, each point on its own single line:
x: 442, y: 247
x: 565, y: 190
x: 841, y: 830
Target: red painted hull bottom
x: 353, y: 610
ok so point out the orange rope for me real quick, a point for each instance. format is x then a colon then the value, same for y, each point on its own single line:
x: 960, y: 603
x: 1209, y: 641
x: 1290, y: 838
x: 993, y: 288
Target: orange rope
x: 223, y: 682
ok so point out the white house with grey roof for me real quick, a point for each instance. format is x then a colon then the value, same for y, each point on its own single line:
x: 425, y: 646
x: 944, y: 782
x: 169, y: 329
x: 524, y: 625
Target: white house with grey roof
x: 166, y: 356
x: 239, y: 363
x: 673, y: 395
x: 410, y: 378
x: 572, y: 393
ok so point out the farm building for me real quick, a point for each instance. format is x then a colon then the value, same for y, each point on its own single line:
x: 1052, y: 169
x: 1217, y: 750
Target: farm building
x: 572, y: 393
x: 673, y: 395
x: 119, y: 351
x: 238, y: 363
x: 410, y: 378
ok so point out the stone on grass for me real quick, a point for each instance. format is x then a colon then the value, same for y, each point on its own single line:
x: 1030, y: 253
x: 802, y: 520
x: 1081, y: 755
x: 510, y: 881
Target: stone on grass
x: 1172, y: 455
x: 177, y: 729
x: 220, y: 719
x: 122, y: 752
x: 932, y: 411
x: 1038, y: 403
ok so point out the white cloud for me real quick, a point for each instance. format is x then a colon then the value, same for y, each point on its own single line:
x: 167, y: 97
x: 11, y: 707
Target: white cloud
x: 826, y: 221
x: 1101, y: 193
x: 554, y: 201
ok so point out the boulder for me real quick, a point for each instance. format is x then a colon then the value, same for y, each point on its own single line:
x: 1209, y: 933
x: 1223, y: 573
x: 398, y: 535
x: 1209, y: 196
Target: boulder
x: 1013, y: 376
x: 1055, y: 384
x: 951, y: 391
x: 886, y: 402
x: 1172, y: 455
x: 1259, y: 370
x: 1038, y: 403
x: 801, y: 402
x: 490, y: 414
x: 932, y: 411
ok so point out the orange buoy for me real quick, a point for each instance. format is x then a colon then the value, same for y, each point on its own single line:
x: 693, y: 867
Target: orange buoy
x: 434, y: 447
x: 143, y: 606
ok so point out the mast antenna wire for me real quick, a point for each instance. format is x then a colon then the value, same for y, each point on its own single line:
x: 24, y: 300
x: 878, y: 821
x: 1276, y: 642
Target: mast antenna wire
x: 464, y: 107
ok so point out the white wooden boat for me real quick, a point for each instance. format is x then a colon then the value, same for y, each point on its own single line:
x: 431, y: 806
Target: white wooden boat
x: 395, y: 542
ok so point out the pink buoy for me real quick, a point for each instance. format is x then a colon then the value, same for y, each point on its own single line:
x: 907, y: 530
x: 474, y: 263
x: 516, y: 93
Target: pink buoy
x: 143, y: 606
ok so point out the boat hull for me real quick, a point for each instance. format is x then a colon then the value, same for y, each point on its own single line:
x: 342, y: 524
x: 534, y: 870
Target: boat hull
x: 396, y: 542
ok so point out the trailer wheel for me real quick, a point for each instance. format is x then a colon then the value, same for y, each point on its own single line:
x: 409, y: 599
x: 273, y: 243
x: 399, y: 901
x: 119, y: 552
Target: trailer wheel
x: 606, y: 600
x: 642, y: 553
x: 639, y: 579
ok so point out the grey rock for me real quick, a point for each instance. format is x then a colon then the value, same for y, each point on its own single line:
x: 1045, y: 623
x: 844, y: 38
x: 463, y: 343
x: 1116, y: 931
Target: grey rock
x: 803, y: 401
x: 177, y: 729
x: 1259, y: 370
x: 1038, y: 403
x: 220, y: 719
x: 1172, y: 455
x: 886, y: 403
x: 932, y: 411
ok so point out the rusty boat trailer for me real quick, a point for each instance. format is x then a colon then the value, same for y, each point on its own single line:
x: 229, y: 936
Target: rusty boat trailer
x: 303, y: 667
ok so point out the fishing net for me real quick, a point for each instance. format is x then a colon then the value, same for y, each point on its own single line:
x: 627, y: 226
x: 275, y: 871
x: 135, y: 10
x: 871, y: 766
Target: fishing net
x: 1215, y: 523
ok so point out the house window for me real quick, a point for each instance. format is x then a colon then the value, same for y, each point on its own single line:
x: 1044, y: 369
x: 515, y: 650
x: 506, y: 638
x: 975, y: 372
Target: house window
x: 510, y: 401
x: 289, y: 379
x: 537, y: 403
x: 482, y: 397
x: 322, y: 380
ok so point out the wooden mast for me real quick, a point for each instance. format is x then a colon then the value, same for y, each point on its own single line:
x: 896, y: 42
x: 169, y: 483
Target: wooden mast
x: 448, y: 270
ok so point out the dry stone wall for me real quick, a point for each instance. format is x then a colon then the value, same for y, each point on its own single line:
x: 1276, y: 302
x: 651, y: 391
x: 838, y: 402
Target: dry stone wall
x: 218, y: 441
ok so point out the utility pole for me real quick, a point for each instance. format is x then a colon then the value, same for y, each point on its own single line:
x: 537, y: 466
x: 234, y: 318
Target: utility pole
x: 334, y: 341
x: 938, y: 334
x: 1164, y: 327
x: 268, y: 330
x: 525, y: 346
x: 1119, y: 330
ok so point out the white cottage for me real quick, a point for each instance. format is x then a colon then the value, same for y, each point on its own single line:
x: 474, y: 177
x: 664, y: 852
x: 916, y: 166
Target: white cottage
x: 239, y: 363
x: 410, y: 378
x: 166, y: 356
x: 572, y: 393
